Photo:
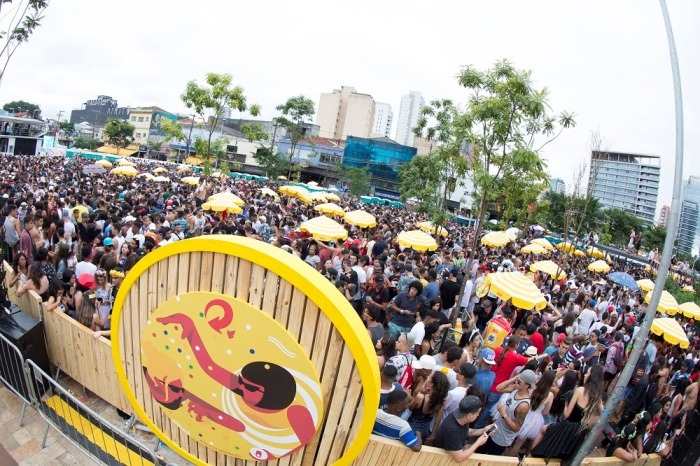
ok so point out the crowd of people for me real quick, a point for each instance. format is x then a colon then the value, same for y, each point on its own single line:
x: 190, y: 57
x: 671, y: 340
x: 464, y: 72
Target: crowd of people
x: 460, y: 369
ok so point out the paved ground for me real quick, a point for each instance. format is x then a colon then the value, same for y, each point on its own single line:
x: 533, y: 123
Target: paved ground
x: 23, y: 443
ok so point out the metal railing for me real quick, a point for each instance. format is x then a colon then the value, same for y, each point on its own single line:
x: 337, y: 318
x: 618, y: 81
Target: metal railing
x: 100, y: 440
x: 12, y: 373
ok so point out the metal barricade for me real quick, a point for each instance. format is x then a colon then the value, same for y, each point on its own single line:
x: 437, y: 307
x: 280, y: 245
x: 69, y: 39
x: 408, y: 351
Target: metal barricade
x: 103, y: 442
x: 12, y: 373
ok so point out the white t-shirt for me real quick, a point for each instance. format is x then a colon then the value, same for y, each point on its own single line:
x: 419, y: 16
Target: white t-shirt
x: 586, y: 319
x: 418, y: 332
x: 83, y: 267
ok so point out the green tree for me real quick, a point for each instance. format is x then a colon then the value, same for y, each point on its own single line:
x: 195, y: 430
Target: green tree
x: 208, y: 103
x: 67, y: 128
x: 87, y: 144
x: 294, y: 111
x: 619, y: 224
x: 17, y: 30
x: 654, y: 238
x: 554, y: 208
x: 119, y: 133
x: 272, y: 164
x: 18, y: 106
x: 433, y: 181
x: 173, y: 131
x: 358, y: 180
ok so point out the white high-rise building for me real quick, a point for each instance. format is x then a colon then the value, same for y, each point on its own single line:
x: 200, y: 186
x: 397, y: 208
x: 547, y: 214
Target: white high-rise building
x: 383, y: 119
x: 409, y: 112
x: 345, y: 112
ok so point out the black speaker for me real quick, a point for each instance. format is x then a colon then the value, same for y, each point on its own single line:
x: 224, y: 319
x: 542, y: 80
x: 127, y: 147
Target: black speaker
x: 27, y: 334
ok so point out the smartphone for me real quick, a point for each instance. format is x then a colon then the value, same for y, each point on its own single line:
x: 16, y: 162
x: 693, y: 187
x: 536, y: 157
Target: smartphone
x: 490, y: 430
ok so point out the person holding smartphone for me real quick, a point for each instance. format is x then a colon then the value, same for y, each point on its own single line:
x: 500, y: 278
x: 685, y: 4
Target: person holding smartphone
x: 453, y: 433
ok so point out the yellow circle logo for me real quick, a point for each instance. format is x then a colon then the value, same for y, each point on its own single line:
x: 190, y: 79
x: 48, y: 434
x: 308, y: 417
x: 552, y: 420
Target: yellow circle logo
x: 231, y: 376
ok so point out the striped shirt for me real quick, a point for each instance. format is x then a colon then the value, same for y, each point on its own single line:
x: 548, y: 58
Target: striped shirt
x: 390, y: 426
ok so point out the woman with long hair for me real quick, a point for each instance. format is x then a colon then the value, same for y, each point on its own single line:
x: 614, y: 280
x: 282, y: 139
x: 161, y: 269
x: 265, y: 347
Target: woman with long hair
x: 60, y: 259
x: 540, y: 401
x: 86, y: 313
x: 20, y: 269
x: 37, y: 281
x: 562, y: 439
x: 623, y: 447
x: 428, y: 403
x: 470, y: 342
x: 386, y: 349
x: 103, y: 295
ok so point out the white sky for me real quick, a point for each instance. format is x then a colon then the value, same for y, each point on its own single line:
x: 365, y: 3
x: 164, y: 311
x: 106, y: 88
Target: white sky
x: 606, y: 61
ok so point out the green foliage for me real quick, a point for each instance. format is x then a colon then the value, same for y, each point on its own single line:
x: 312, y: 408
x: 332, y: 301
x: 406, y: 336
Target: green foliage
x: 26, y: 18
x: 358, y: 180
x: 421, y: 178
x: 681, y: 296
x: 154, y: 146
x: 67, y: 128
x: 18, y: 106
x: 119, y: 133
x: 254, y: 132
x: 87, y: 144
x: 619, y: 224
x: 294, y: 111
x: 654, y: 238
x: 208, y: 103
x: 556, y: 205
x: 273, y: 164
x: 172, y: 130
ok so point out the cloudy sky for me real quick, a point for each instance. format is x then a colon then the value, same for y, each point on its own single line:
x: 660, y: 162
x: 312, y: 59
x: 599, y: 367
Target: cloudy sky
x: 607, y: 61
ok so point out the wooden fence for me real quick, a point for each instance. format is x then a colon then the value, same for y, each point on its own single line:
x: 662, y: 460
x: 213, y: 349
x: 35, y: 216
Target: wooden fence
x: 72, y: 348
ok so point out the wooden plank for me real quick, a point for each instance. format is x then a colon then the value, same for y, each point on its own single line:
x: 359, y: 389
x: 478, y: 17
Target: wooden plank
x: 205, y: 271
x: 243, y: 280
x: 218, y: 273
x: 284, y: 301
x: 350, y: 407
x: 257, y: 285
x: 269, y: 297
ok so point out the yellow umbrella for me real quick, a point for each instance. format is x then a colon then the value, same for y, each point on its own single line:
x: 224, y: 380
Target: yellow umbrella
x: 331, y: 196
x: 160, y: 170
x: 192, y: 180
x: 281, y: 177
x: 533, y: 248
x: 550, y: 268
x: 193, y: 160
x: 324, y: 229
x: 688, y: 289
x: 645, y: 284
x: 148, y: 176
x: 269, y: 192
x: 216, y: 175
x: 161, y: 179
x: 361, y: 219
x: 599, y: 266
x: 428, y: 227
x: 496, y: 239
x: 595, y: 252
x: 219, y: 205
x: 291, y: 190
x: 104, y: 163
x: 226, y: 196
x: 330, y: 208
x: 126, y: 170
x: 671, y: 331
x: 543, y: 242
x: 667, y: 303
x: 515, y: 286
x: 416, y: 239
x: 126, y: 162
x: 690, y: 309
x: 183, y: 168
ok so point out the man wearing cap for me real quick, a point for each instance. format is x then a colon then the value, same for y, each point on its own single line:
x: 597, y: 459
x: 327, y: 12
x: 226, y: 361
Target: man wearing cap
x: 453, y: 433
x: 485, y: 376
x: 512, y: 410
x: 389, y: 424
x: 465, y: 378
x: 483, y: 314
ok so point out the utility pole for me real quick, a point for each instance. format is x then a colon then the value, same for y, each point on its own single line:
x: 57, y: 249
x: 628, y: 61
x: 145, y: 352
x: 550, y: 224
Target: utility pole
x: 60, y: 112
x: 595, y: 434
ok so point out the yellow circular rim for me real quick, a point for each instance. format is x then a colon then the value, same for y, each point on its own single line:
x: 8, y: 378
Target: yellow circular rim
x: 316, y: 288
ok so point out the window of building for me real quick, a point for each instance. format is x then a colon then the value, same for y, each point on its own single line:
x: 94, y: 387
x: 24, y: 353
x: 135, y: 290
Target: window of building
x: 140, y: 119
x: 148, y: 118
x: 325, y: 157
x: 133, y: 118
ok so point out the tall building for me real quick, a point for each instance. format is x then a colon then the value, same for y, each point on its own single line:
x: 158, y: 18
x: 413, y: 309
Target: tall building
x: 345, y: 112
x: 409, y: 112
x: 626, y: 181
x: 383, y: 119
x: 689, y: 223
x: 663, y: 216
x: 97, y: 111
x: 557, y: 185
x: 147, y: 123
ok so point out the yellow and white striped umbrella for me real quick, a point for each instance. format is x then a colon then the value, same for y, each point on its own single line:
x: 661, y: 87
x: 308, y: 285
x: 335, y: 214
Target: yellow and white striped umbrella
x: 226, y: 196
x: 544, y: 243
x: 496, y: 239
x: 324, y: 229
x: 428, y: 227
x: 645, y: 284
x: 147, y: 176
x: 360, y: 218
x: 192, y: 180
x: 671, y: 331
x: 550, y: 268
x: 126, y: 170
x: 308, y: 197
x: 515, y: 286
x: 599, y: 266
x: 290, y: 190
x: 595, y: 252
x: 126, y: 162
x: 332, y: 196
x: 667, y: 303
x: 269, y: 192
x: 330, y: 208
x: 533, y: 248
x: 690, y: 309
x: 161, y: 179
x: 104, y: 163
x: 183, y: 168
x: 416, y: 239
x: 216, y: 174
x: 160, y: 170
x: 220, y: 205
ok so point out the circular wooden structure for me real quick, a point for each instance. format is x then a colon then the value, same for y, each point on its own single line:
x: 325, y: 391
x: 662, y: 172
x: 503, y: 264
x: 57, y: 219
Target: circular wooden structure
x: 285, y: 288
